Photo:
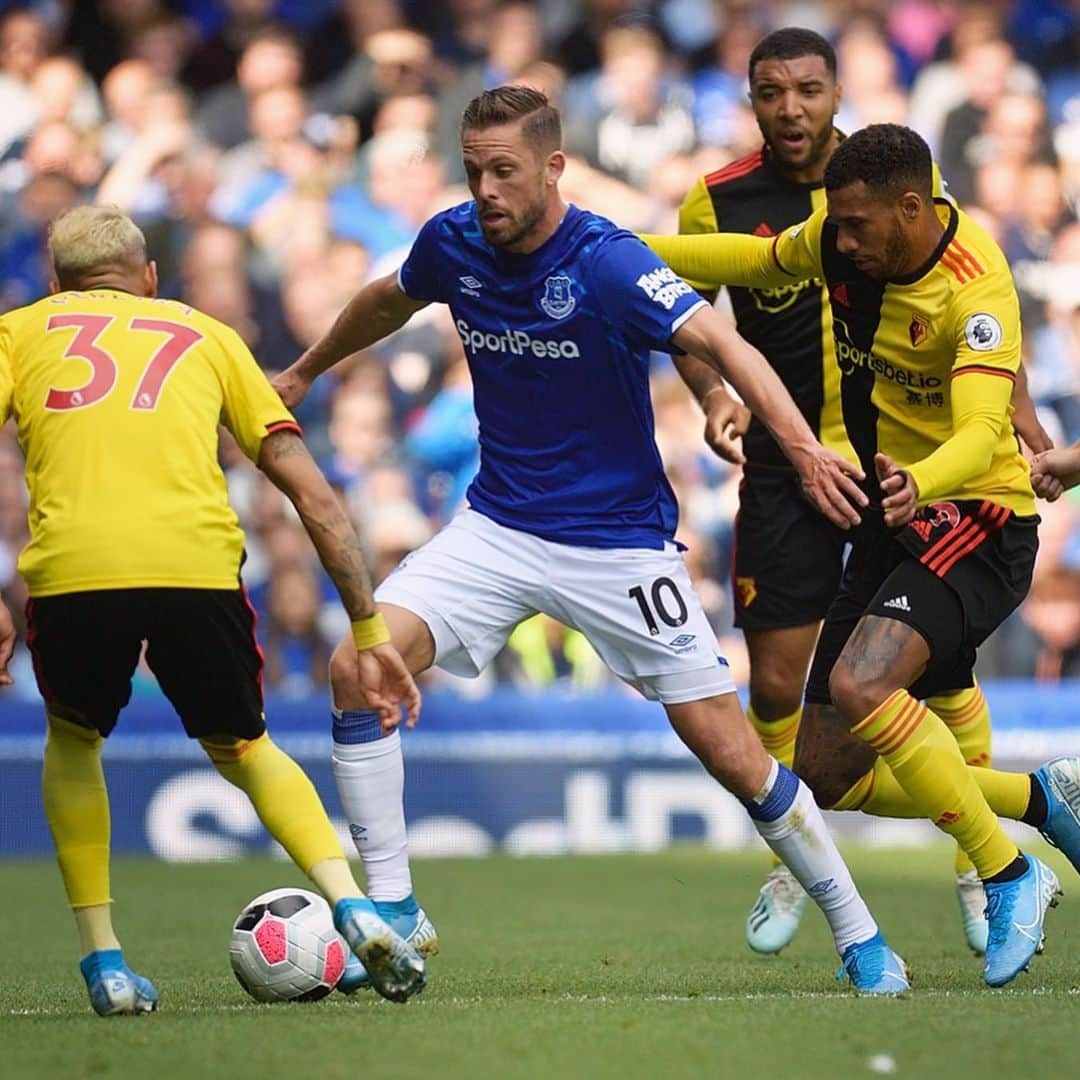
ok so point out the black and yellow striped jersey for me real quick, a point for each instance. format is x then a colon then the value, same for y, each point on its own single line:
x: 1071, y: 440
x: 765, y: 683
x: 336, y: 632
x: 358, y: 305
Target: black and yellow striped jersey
x: 926, y: 362
x: 790, y: 323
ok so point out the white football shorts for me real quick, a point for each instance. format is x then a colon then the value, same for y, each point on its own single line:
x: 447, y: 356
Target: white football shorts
x: 476, y: 580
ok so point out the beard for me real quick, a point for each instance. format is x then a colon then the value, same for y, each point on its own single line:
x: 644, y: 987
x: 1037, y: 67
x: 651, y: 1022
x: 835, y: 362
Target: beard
x: 512, y: 231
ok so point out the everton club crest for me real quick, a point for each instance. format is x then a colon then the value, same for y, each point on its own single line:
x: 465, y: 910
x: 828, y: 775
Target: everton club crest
x: 558, y: 299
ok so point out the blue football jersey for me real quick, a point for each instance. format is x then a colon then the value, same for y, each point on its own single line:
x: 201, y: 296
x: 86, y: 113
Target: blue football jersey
x: 558, y: 343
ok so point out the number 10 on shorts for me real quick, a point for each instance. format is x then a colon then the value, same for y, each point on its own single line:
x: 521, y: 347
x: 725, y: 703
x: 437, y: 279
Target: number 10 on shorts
x: 664, y: 594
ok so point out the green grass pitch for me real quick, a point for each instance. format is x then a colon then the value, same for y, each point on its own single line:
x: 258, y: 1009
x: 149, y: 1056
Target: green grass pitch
x: 607, y: 966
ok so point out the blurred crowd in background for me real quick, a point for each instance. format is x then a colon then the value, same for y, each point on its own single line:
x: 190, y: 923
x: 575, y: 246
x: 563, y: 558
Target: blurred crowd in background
x: 278, y: 153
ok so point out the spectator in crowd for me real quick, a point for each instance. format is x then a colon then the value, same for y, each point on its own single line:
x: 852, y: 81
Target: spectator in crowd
x: 23, y: 45
x: 271, y: 59
x: 643, y: 118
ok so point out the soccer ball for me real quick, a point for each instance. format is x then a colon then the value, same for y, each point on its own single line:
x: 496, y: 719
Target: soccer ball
x: 284, y: 947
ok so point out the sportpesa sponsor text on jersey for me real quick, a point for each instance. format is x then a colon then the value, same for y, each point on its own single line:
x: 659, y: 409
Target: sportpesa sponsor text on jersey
x: 557, y: 343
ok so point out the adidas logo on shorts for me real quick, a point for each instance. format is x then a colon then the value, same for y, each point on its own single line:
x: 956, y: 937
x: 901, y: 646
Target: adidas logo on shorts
x: 898, y: 602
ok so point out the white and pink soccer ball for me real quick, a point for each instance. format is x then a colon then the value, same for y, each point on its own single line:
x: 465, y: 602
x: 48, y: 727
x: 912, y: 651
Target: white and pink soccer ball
x: 284, y: 947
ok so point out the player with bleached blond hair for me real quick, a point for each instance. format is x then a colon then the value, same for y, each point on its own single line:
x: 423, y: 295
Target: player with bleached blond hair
x: 117, y: 397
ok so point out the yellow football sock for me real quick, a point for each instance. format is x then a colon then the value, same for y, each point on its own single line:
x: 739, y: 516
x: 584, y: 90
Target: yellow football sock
x: 77, y: 809
x: 283, y: 797
x: 334, y: 879
x: 1007, y: 793
x: 926, y: 762
x: 778, y: 737
x: 878, y: 793
x: 967, y: 716
x: 95, y: 928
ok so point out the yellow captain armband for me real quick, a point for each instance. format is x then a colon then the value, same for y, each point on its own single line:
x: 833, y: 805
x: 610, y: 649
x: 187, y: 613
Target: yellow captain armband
x: 369, y: 632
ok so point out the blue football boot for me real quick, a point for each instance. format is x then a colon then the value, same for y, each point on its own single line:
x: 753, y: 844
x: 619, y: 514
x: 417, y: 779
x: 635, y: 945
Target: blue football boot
x: 1015, y: 911
x: 1060, y: 781
x: 406, y: 918
x: 874, y: 968
x: 395, y: 968
x: 115, y: 990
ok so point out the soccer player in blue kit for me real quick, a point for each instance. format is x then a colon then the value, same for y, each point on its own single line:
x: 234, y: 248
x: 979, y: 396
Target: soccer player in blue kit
x: 570, y: 513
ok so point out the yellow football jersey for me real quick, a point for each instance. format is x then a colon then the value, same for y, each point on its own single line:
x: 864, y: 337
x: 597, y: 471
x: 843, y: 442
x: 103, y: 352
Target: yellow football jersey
x: 790, y: 324
x: 927, y: 362
x: 117, y: 399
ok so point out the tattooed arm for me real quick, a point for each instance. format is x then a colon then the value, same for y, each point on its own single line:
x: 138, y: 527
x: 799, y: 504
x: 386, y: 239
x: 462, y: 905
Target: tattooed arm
x: 286, y: 461
x: 382, y: 674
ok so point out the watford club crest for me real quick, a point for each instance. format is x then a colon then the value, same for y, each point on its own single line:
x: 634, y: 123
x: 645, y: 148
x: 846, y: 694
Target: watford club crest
x: 746, y: 587
x: 919, y: 329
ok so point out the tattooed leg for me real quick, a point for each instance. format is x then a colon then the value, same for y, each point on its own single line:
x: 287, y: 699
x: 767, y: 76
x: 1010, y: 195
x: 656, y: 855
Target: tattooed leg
x: 881, y: 656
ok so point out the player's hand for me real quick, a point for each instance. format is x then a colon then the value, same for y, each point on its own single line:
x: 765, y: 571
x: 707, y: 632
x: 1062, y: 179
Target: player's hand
x: 831, y: 483
x: 901, y: 495
x: 388, y: 686
x: 7, y: 644
x: 726, y: 421
x: 1053, y: 472
x: 292, y: 387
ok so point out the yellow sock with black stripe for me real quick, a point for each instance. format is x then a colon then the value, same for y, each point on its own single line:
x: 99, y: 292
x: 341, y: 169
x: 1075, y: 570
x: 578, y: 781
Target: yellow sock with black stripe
x: 284, y: 798
x: 967, y: 716
x: 926, y: 762
x: 778, y: 737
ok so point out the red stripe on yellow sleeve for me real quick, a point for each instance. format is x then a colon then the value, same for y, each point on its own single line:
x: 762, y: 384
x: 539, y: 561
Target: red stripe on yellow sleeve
x: 776, y: 258
x: 284, y: 425
x: 984, y: 369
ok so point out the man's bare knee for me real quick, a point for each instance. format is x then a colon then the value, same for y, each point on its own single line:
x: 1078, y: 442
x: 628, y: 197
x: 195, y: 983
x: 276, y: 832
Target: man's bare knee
x: 857, y: 693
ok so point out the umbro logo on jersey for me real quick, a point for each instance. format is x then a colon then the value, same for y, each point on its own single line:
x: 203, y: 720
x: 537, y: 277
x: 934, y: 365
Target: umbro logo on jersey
x: 839, y: 295
x: 898, y: 602
x: 469, y: 285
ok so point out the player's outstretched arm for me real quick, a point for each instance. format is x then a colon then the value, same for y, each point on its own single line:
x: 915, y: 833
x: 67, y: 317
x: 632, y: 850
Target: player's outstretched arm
x: 1054, y: 471
x: 711, y: 260
x: 377, y: 310
x: 385, y: 678
x: 828, y: 479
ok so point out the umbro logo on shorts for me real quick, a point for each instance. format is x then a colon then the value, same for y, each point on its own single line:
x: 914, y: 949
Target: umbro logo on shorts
x: 898, y: 602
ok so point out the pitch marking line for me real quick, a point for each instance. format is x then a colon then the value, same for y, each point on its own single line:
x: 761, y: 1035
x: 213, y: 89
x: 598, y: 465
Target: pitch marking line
x: 604, y: 999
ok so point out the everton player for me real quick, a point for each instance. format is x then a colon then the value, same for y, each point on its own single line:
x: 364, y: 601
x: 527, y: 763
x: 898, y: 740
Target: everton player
x: 571, y: 513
